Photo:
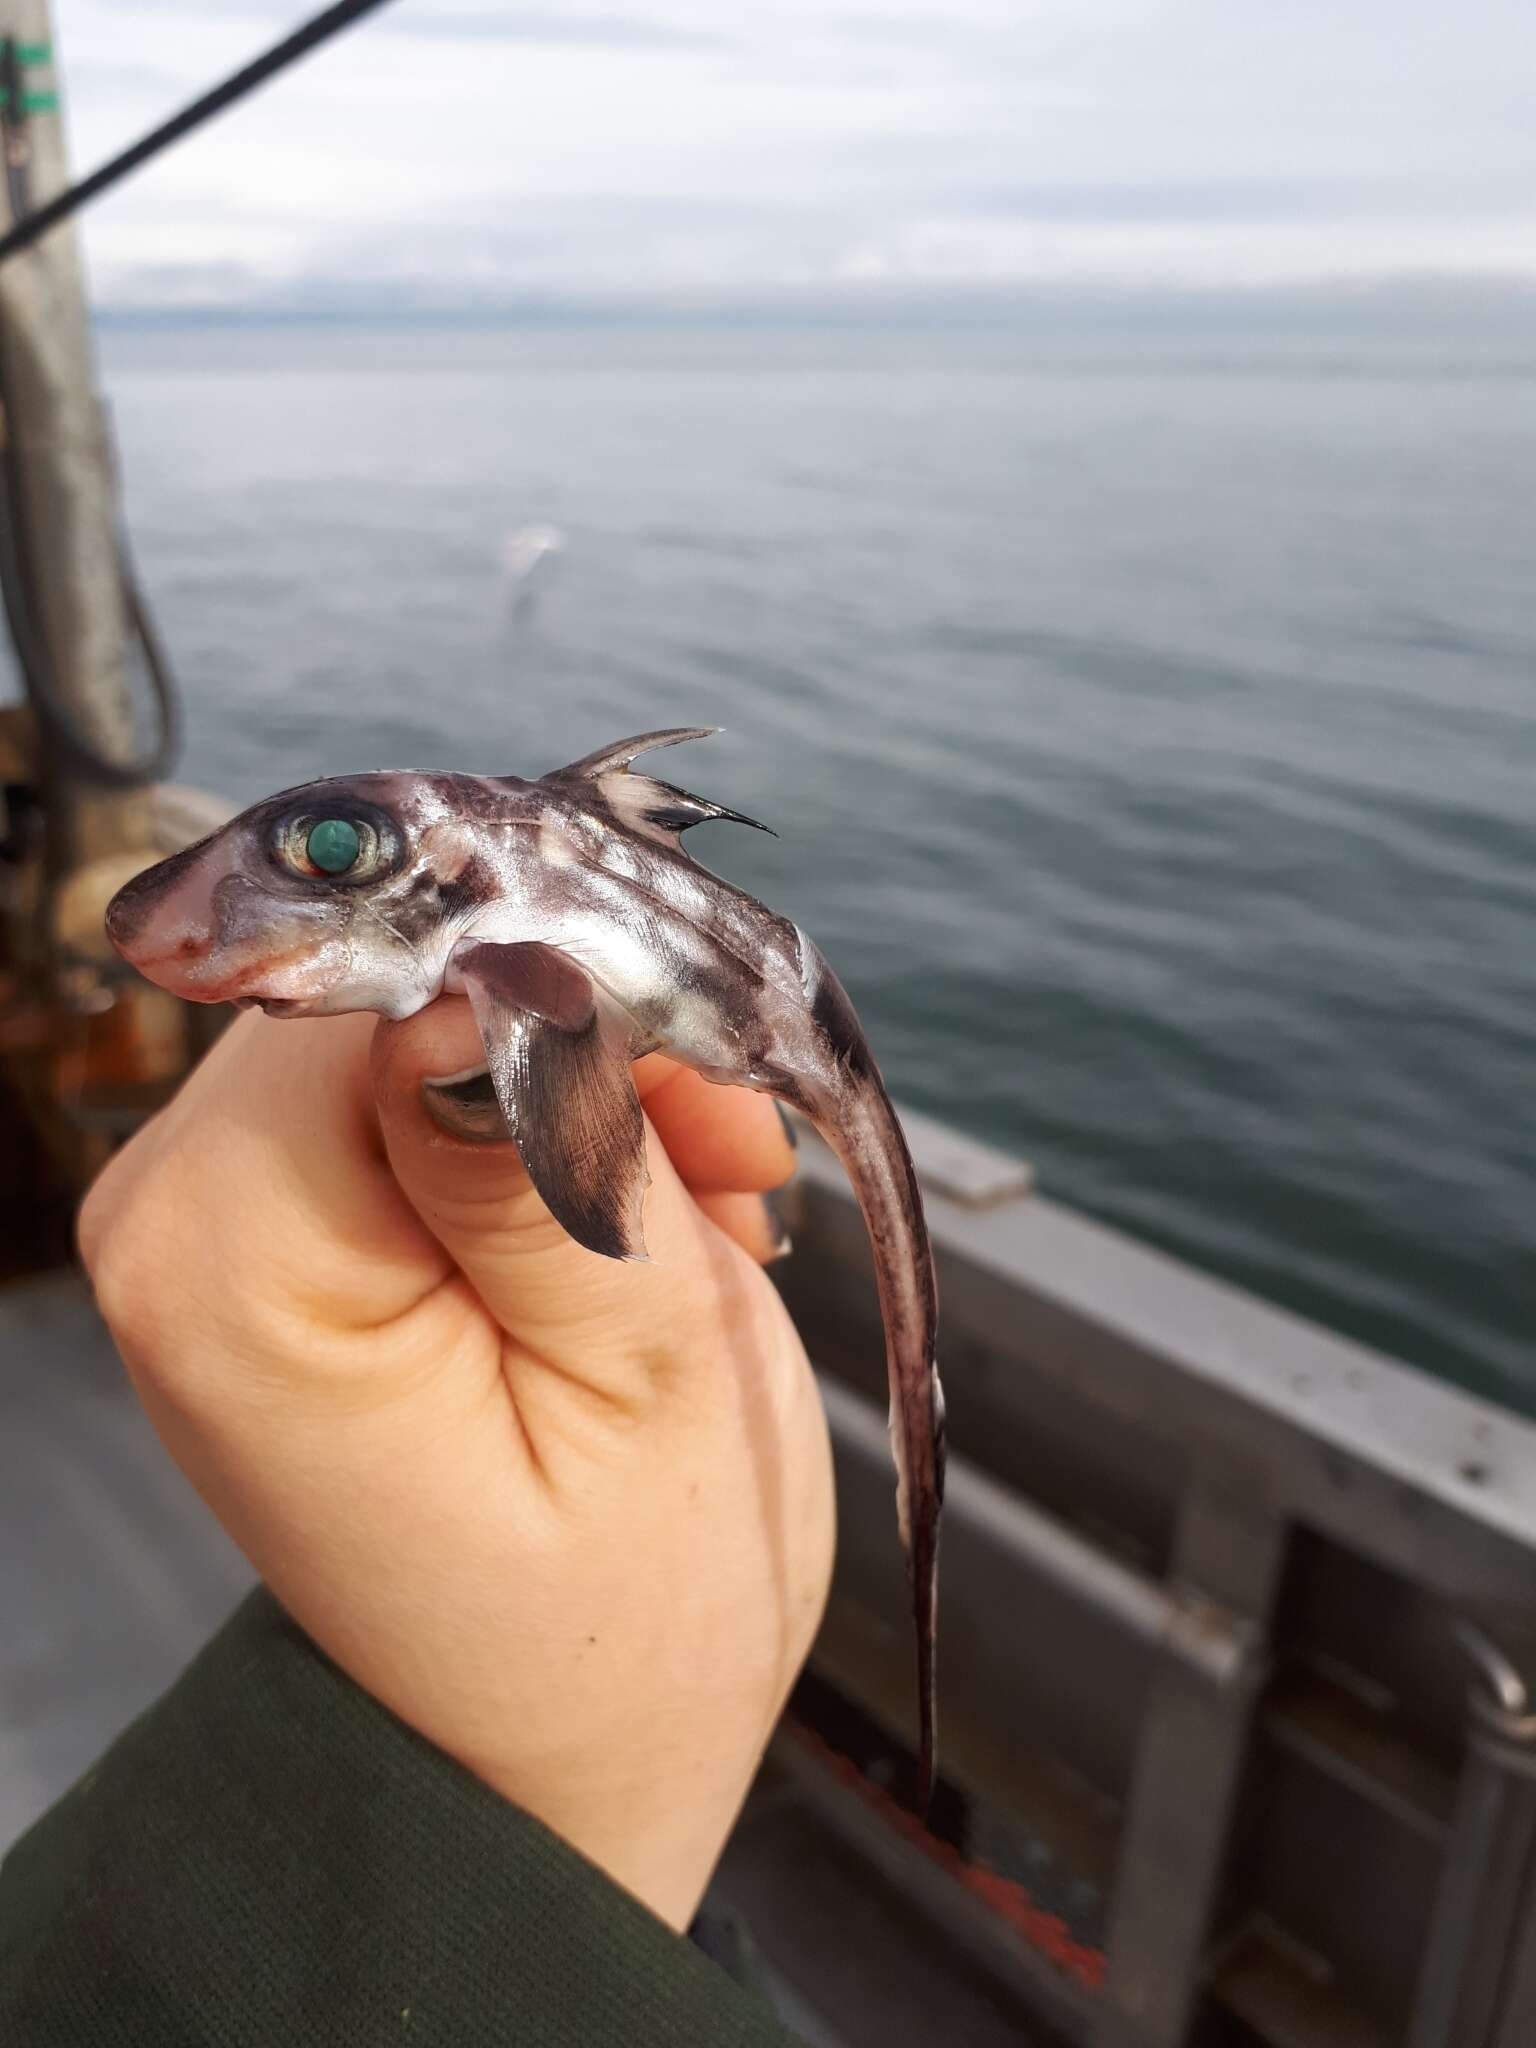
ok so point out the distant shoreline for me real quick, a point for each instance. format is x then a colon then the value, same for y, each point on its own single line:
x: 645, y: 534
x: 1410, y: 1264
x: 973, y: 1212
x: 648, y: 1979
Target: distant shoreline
x: 1501, y: 310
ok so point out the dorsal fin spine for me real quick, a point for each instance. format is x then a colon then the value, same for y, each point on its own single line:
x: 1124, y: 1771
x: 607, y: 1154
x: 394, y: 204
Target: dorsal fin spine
x: 616, y: 759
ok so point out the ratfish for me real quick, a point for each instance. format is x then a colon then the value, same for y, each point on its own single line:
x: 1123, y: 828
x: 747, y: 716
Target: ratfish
x: 568, y: 912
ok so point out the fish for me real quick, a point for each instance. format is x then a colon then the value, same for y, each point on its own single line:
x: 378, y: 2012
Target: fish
x: 584, y: 935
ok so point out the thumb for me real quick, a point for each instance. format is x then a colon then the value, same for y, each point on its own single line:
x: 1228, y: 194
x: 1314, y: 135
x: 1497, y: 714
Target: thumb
x: 594, y: 1319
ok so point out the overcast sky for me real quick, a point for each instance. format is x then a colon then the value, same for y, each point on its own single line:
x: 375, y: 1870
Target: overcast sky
x: 466, y: 151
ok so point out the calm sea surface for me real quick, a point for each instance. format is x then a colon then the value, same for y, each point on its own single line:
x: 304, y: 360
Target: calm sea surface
x: 1152, y: 735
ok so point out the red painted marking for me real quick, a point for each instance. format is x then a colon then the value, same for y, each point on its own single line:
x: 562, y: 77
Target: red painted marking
x: 1009, y: 1900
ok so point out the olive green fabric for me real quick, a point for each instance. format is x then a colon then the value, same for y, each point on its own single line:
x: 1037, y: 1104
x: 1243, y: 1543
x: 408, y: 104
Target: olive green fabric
x: 268, y: 1856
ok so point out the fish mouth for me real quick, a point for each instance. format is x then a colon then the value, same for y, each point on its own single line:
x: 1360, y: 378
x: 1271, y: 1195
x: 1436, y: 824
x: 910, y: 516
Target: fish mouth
x: 271, y: 1006
x: 177, y: 972
x: 203, y: 973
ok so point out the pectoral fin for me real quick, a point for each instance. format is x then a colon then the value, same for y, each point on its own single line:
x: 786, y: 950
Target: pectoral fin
x: 559, y: 1051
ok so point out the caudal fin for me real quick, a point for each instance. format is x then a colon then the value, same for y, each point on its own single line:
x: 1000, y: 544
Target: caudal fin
x: 857, y: 1120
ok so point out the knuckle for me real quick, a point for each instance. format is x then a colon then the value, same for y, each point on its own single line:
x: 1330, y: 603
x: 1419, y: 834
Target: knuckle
x: 123, y: 1288
x: 94, y: 1223
x: 122, y: 1233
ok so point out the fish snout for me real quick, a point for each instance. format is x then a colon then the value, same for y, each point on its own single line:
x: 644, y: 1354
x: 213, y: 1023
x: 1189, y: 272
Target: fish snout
x: 203, y: 928
x: 163, y: 924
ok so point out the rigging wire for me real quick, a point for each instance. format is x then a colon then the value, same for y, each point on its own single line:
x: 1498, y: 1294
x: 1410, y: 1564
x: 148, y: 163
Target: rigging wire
x: 319, y: 29
x: 75, y: 747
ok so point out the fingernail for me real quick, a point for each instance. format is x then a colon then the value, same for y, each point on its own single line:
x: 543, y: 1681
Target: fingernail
x: 790, y: 1133
x: 778, y: 1230
x: 465, y: 1105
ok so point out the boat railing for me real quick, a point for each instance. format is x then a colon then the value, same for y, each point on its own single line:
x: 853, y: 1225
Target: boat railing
x: 1238, y: 1620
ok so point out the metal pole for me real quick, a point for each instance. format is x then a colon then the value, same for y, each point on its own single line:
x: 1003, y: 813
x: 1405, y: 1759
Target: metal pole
x: 1477, y: 1987
x: 1193, y: 1747
x: 63, y: 465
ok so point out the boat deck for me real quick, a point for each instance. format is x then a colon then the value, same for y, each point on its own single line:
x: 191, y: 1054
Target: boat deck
x: 112, y: 1572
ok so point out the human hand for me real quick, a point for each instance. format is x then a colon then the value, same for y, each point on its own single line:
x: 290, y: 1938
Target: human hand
x: 570, y: 1519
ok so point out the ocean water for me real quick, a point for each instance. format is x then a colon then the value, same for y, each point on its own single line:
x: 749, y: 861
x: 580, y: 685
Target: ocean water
x: 1150, y: 729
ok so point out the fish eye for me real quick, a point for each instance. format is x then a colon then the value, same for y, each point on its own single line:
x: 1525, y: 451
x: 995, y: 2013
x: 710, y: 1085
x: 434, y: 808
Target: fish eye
x: 334, y: 845
x: 350, y: 847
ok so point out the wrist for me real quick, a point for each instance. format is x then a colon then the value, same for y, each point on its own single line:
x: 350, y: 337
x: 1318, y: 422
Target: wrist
x: 658, y: 1836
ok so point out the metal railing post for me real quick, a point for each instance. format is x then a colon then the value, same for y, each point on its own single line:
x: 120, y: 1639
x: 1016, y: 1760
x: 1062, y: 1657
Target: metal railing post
x: 1477, y: 1988
x: 1190, y: 1758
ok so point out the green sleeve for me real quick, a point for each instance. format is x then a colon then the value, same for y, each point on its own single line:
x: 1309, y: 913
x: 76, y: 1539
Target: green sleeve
x: 269, y: 1856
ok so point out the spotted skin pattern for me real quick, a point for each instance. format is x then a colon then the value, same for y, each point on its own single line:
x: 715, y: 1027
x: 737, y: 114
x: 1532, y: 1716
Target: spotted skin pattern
x: 567, y: 911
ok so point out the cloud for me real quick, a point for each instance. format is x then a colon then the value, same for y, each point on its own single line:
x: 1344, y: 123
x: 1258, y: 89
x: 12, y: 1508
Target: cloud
x: 1252, y: 200
x: 533, y: 25
x: 447, y: 149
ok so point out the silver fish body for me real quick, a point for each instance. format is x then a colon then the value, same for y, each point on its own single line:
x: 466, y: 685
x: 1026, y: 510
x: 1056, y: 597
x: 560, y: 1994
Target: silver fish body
x: 583, y: 935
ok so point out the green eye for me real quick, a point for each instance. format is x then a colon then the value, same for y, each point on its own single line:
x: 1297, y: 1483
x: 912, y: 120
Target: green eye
x: 359, y: 846
x: 333, y: 845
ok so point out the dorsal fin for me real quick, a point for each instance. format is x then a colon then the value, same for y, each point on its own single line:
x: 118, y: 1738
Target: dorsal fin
x: 608, y: 760
x: 655, y: 809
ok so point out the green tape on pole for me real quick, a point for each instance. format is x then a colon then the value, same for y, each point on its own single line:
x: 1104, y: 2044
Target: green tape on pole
x: 39, y: 103
x: 34, y: 53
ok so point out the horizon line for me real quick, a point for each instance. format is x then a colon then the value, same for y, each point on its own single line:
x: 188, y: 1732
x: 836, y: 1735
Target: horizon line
x: 1455, y: 297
